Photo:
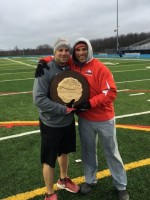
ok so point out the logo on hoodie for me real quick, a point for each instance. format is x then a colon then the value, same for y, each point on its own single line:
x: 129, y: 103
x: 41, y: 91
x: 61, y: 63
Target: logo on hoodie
x: 89, y: 72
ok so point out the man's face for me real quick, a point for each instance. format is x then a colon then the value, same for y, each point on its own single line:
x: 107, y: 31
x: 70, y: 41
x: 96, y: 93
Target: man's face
x: 81, y: 54
x: 62, y: 56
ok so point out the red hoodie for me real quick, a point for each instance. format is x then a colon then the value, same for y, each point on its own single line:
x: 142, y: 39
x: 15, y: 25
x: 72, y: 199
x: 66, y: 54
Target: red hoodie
x: 102, y: 90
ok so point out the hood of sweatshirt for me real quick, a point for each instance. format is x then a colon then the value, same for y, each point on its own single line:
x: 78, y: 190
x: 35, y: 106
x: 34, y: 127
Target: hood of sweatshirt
x: 90, y: 51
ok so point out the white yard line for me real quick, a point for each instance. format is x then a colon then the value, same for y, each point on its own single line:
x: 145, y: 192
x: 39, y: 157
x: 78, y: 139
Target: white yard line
x: 4, y: 69
x: 122, y: 90
x: 19, y: 135
x: 129, y: 70
x: 136, y: 94
x: 20, y: 62
x: 16, y: 73
x: 133, y: 81
x: 133, y: 114
x: 25, y: 79
x: 14, y: 93
x: 112, y: 64
x: 37, y: 131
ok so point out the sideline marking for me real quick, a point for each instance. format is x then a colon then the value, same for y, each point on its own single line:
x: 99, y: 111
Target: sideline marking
x: 78, y: 180
x: 4, y: 69
x: 136, y: 94
x: 127, y: 90
x: 25, y: 79
x: 133, y: 81
x: 110, y: 63
x: 16, y: 73
x: 20, y: 62
x: 133, y: 114
x: 19, y: 135
x: 13, y: 93
x: 129, y: 70
x: 124, y: 90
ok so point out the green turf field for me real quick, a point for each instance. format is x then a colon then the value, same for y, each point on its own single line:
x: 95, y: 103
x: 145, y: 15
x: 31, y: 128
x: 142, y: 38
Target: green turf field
x: 20, y: 168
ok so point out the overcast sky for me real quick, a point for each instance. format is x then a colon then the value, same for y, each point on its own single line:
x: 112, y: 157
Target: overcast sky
x: 30, y: 23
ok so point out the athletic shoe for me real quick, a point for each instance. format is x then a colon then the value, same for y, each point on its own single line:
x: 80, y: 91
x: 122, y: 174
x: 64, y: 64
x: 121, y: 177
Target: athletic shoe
x: 87, y: 188
x: 68, y: 185
x: 51, y: 197
x: 123, y: 195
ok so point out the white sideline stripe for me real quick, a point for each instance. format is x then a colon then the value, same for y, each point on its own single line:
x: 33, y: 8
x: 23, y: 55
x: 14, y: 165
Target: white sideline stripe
x: 110, y: 63
x: 16, y: 73
x: 133, y: 114
x: 136, y: 94
x: 25, y: 79
x: 19, y: 135
x: 129, y: 70
x: 134, y: 81
x: 4, y: 68
x: 122, y: 90
x: 15, y: 93
x: 20, y: 62
x: 37, y: 131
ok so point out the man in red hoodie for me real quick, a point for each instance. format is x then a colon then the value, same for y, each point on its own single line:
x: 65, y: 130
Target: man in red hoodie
x: 96, y: 118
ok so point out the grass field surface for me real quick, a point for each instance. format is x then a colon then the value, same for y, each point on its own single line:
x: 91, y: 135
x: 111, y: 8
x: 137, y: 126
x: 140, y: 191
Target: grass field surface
x: 20, y: 168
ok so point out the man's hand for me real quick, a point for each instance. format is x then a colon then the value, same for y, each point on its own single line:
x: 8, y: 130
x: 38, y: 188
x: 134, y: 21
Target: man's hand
x: 83, y: 106
x: 39, y: 71
x: 70, y: 110
x: 70, y: 106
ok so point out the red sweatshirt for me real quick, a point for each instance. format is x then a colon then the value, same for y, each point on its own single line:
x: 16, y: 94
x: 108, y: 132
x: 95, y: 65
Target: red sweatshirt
x: 102, y: 90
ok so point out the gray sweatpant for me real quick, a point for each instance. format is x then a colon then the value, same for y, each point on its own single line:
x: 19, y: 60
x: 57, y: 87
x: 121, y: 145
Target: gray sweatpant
x: 89, y: 133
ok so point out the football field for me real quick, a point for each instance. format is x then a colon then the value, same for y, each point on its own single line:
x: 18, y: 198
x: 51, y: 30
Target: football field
x: 20, y: 168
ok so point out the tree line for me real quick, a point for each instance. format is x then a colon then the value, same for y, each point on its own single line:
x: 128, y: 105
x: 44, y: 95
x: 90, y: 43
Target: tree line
x: 109, y: 45
x: 104, y: 45
x: 44, y: 49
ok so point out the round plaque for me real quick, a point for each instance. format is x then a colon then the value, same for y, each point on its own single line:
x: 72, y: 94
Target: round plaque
x: 67, y: 86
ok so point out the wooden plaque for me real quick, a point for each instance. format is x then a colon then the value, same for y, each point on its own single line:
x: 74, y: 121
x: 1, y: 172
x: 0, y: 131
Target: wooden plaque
x: 69, y: 85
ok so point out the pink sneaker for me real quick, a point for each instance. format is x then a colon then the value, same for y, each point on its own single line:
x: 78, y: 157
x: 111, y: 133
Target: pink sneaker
x: 68, y: 185
x: 51, y: 197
